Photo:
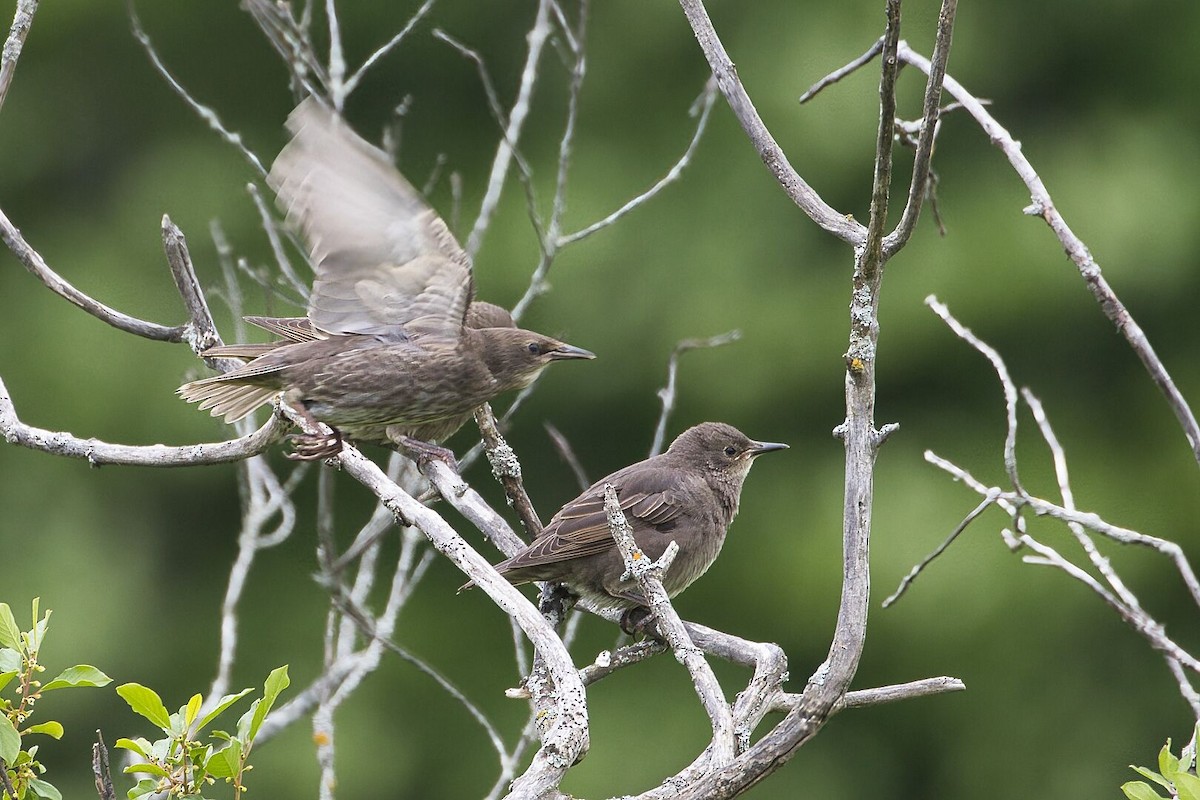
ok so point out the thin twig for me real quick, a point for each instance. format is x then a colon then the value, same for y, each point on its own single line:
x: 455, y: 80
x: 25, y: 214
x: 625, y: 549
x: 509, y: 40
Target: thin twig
x: 1043, y: 206
x: 1006, y: 382
x: 352, y: 82
x: 706, y: 101
x: 918, y: 186
x: 1102, y: 564
x: 648, y: 574
x: 57, y: 284
x: 987, y: 502
x: 667, y: 393
x: 22, y: 22
x: 835, y: 76
x: 277, y: 249
x: 204, y: 112
x: 568, y: 454
x: 337, y: 59
x: 772, y: 155
x: 506, y: 150
x: 507, y: 469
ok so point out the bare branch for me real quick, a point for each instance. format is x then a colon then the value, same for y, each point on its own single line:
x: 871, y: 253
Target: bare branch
x: 506, y: 149
x: 352, y: 82
x: 872, y: 258
x: 98, y: 453
x: 835, y: 76
x: 204, y: 112
x: 1101, y: 563
x: 266, y: 499
x: 100, y: 770
x: 567, y: 734
x: 337, y: 60
x: 885, y: 694
x: 290, y: 39
x: 649, y: 574
x: 706, y: 101
x: 507, y: 469
x: 667, y: 393
x: 53, y: 281
x: 202, y: 331
x: 1006, y: 381
x: 22, y: 21
x: 988, y: 501
x: 272, y: 230
x: 1043, y: 206
x: 919, y: 185
x: 568, y: 455
x: 803, y: 195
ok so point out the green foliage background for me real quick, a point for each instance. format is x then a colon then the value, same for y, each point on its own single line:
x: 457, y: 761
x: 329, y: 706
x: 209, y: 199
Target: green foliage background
x: 1061, y: 697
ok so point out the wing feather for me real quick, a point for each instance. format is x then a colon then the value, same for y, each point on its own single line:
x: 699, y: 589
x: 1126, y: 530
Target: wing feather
x: 385, y: 262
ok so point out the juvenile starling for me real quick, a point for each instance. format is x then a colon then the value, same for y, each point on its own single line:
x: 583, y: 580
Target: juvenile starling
x: 688, y: 495
x: 393, y: 348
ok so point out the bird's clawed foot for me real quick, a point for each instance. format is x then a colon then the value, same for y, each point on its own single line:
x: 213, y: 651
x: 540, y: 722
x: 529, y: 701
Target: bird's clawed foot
x: 640, y: 621
x: 423, y: 452
x: 315, y: 446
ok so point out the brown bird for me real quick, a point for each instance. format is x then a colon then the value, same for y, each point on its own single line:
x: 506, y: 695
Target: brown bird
x: 393, y: 347
x: 688, y: 495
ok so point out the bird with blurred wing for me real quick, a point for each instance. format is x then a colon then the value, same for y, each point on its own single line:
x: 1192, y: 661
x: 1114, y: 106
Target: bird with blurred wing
x: 394, y: 347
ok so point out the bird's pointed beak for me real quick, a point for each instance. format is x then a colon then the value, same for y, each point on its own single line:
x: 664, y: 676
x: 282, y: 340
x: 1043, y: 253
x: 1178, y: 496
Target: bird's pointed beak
x: 564, y: 351
x: 758, y: 448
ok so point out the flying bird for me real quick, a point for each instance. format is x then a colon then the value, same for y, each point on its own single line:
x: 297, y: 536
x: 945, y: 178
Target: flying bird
x: 394, y: 348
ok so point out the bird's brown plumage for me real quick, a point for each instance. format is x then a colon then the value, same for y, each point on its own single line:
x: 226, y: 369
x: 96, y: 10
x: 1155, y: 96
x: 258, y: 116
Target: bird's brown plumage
x: 688, y: 495
x: 393, y: 344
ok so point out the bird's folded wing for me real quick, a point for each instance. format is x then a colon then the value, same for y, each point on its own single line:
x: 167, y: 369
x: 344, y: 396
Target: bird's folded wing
x: 295, y: 329
x: 385, y: 262
x: 581, y: 528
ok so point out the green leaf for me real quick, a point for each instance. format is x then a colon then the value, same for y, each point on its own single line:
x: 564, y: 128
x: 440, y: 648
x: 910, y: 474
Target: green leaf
x: 44, y: 789
x: 145, y: 701
x: 10, y: 740
x: 1138, y: 790
x: 151, y: 769
x: 1187, y: 785
x: 134, y: 745
x: 144, y: 787
x: 276, y: 682
x: 1154, y: 776
x: 226, y: 761
x: 1168, y: 764
x: 5, y: 677
x: 51, y: 728
x: 10, y: 634
x: 224, y: 703
x: 38, y: 633
x: 10, y: 660
x: 78, y: 675
x: 193, y: 708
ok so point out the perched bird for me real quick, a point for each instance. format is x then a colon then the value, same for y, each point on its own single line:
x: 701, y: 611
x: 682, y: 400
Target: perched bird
x: 393, y: 348
x: 688, y: 495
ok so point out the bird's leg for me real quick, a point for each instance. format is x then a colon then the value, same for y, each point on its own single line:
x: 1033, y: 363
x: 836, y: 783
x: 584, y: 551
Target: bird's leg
x: 640, y: 620
x: 313, y: 446
x: 423, y: 452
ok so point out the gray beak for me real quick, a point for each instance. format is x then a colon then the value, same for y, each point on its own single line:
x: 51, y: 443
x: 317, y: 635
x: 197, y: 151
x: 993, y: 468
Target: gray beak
x: 758, y: 448
x: 564, y: 351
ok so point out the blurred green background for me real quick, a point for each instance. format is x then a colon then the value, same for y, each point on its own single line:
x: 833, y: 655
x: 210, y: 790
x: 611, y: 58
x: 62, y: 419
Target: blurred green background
x: 1061, y: 696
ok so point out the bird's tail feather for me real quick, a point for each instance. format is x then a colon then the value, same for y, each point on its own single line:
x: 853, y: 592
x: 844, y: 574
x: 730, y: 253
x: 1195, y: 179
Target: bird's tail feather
x: 229, y: 400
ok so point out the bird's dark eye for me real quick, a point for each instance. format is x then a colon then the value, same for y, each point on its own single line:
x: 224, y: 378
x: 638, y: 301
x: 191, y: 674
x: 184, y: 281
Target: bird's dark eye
x: 730, y: 451
x: 533, y: 348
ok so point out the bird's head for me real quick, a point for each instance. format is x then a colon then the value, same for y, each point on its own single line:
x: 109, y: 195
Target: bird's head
x: 726, y: 452
x: 516, y: 356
